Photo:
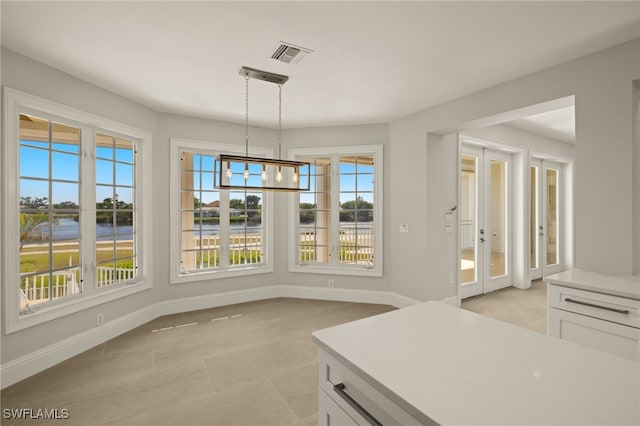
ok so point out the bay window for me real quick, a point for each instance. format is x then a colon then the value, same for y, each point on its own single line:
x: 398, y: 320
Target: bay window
x: 337, y: 226
x: 215, y: 232
x: 71, y: 210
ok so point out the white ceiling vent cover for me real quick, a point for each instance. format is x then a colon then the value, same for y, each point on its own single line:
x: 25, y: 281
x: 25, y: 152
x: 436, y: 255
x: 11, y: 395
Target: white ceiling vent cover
x: 290, y: 53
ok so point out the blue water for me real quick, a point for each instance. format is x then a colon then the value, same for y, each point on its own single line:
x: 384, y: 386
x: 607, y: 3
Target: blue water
x: 69, y: 229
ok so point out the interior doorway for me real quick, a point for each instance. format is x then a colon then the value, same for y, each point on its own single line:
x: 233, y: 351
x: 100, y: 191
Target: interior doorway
x: 545, y: 190
x: 485, y: 220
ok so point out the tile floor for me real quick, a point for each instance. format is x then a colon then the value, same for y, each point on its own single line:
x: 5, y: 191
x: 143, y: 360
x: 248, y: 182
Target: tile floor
x: 247, y: 364
x: 526, y: 308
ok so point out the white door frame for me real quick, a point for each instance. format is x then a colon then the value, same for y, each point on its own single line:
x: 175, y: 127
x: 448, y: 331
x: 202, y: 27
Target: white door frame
x: 484, y: 283
x: 543, y: 231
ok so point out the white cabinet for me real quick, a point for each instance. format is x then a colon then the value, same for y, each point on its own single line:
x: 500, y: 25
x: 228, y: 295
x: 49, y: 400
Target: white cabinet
x: 606, y: 322
x: 347, y: 399
x: 436, y: 364
x: 330, y: 413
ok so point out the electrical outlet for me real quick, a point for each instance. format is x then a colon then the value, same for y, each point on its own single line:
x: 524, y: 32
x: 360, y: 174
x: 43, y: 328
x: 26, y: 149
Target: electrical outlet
x: 450, y: 278
x: 330, y: 283
x: 99, y: 320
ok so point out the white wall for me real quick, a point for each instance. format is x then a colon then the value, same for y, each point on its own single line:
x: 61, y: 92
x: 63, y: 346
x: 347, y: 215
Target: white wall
x: 22, y: 73
x: 420, y: 178
x: 602, y: 85
x: 32, y: 77
x: 521, y: 139
x: 205, y: 130
x: 371, y: 134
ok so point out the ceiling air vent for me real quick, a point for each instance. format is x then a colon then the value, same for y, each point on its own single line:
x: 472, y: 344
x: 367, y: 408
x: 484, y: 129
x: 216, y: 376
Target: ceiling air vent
x: 290, y: 53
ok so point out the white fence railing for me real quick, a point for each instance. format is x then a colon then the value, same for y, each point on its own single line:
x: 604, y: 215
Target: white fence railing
x: 65, y: 283
x: 354, y: 246
x: 466, y: 234
x: 205, y: 252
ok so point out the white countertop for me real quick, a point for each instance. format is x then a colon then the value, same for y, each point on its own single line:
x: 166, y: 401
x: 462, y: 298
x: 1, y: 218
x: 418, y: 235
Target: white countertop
x: 623, y: 286
x: 452, y: 366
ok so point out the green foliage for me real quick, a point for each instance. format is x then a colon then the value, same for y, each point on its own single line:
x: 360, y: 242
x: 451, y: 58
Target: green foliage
x: 29, y: 224
x: 122, y: 214
x: 307, y: 213
x: 358, y: 208
x: 34, y: 203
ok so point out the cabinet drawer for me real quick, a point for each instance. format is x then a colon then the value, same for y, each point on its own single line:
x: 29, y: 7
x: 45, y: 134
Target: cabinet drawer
x: 373, y: 405
x: 331, y: 414
x: 616, y: 339
x: 610, y: 308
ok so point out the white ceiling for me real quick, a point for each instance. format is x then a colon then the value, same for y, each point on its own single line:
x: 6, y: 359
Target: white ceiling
x: 372, y: 61
x: 558, y: 124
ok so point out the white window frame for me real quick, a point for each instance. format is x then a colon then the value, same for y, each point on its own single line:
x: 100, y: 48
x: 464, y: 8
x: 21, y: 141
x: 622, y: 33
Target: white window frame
x: 16, y: 103
x: 336, y: 269
x: 266, y: 266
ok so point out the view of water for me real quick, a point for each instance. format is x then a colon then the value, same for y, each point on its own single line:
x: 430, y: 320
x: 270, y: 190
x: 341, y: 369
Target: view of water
x: 69, y: 229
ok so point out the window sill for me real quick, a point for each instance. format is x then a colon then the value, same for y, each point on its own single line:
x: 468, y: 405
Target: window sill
x: 214, y: 275
x: 75, y: 304
x: 338, y: 270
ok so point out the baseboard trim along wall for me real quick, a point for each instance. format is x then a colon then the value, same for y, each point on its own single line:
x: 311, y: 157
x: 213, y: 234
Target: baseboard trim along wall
x: 28, y: 365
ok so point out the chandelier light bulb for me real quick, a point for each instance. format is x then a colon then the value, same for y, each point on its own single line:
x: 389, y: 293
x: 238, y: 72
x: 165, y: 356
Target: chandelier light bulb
x: 245, y: 174
x: 295, y: 175
x: 228, y: 173
x: 279, y: 175
x: 264, y: 175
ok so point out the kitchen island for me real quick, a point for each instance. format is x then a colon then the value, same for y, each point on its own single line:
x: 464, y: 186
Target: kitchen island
x: 433, y: 363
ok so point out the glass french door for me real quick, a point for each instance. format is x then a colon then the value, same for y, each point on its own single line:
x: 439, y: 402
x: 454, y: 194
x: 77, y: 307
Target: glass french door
x: 545, y: 229
x: 485, y: 211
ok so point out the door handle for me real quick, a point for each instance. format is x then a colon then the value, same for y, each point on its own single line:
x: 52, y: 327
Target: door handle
x: 482, y: 239
x: 339, y: 389
x: 593, y: 305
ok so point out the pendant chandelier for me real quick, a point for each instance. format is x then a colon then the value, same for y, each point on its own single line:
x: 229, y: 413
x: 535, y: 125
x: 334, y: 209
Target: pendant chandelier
x: 244, y: 172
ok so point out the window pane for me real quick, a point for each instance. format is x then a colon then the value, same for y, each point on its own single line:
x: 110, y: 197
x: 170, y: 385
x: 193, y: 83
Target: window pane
x: 64, y: 194
x: 356, y: 210
x: 124, y: 197
x: 498, y: 218
x: 533, y: 193
x: 105, y: 274
x: 124, y: 174
x: 34, y: 162
x: 115, y: 210
x: 64, y: 137
x: 34, y: 194
x: 124, y: 246
x: 104, y: 172
x: 314, y: 213
x: 65, y: 166
x: 34, y: 130
x: 66, y: 226
x: 66, y: 254
x: 124, y: 150
x: 49, y: 243
x: 552, y: 217
x: 104, y: 146
x: 104, y: 197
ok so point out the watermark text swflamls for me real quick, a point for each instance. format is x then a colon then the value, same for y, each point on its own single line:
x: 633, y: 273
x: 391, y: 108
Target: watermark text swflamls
x: 36, y: 413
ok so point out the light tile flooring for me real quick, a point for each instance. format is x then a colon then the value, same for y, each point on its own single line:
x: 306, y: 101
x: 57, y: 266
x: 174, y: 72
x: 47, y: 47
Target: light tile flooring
x: 526, y: 308
x: 247, y: 364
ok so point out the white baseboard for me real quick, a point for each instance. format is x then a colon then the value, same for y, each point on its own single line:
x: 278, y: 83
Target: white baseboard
x: 30, y: 364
